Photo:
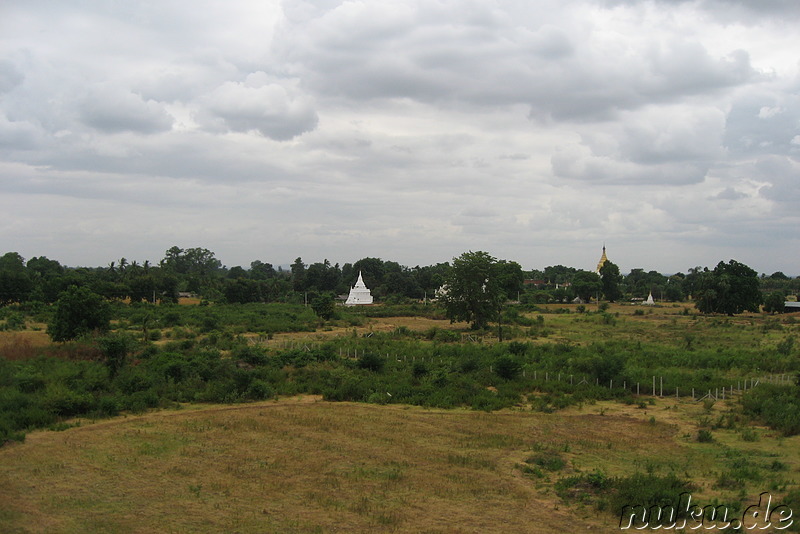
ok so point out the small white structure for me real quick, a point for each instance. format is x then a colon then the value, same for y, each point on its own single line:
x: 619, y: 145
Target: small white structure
x: 359, y: 293
x: 649, y: 301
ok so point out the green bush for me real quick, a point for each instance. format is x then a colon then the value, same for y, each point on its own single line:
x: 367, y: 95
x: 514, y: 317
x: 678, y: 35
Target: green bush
x: 552, y: 461
x: 14, y: 321
x: 259, y: 390
x: 372, y: 362
x: 777, y: 405
x: 704, y: 436
x: 647, y: 490
x: 251, y: 354
x: 507, y: 368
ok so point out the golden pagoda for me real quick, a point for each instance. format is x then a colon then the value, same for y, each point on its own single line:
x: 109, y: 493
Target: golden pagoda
x: 603, y: 260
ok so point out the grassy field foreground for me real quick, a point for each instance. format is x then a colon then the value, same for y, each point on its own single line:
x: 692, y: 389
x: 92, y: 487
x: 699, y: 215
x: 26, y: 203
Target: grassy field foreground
x: 303, y: 465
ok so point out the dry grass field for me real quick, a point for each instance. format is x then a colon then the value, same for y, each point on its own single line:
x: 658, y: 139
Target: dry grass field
x: 304, y: 465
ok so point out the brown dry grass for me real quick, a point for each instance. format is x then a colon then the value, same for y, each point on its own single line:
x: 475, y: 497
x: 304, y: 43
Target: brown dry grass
x: 23, y: 345
x: 299, y: 466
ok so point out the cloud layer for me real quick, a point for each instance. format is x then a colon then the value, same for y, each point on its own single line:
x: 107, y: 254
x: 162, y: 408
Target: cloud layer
x: 405, y: 129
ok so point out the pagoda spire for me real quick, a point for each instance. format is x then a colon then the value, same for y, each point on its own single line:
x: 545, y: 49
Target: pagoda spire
x: 603, y: 259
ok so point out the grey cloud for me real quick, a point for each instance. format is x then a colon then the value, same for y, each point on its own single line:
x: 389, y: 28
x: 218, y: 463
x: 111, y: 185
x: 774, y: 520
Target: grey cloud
x: 580, y: 164
x: 17, y: 135
x: 412, y: 114
x: 110, y: 110
x: 276, y: 110
x: 729, y: 193
x: 782, y: 175
x: 10, y: 76
x: 744, y: 11
x: 669, y: 145
x: 763, y: 124
x: 355, y: 51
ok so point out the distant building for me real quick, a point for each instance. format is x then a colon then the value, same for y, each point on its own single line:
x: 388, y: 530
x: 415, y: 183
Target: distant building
x: 790, y: 306
x: 359, y: 294
x: 649, y: 301
x: 603, y: 260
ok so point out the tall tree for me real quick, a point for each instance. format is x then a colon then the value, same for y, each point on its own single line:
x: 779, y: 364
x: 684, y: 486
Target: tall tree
x: 261, y: 271
x: 610, y: 280
x: 15, y: 282
x: 298, y: 275
x: 372, y: 271
x: 586, y: 285
x: 730, y: 288
x: 476, y: 288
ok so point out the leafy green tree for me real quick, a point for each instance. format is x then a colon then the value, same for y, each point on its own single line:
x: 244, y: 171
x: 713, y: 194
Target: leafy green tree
x: 15, y: 282
x: 142, y: 287
x: 242, y: 291
x: 640, y: 284
x: 196, y: 261
x: 372, y: 271
x: 78, y: 311
x: 324, y: 306
x: 558, y: 274
x: 674, y: 289
x: 510, y: 278
x: 115, y: 348
x: 431, y: 277
x: 610, y: 280
x: 774, y: 302
x: 476, y: 288
x: 322, y: 276
x: 48, y: 279
x: 262, y: 271
x: 237, y: 272
x: 298, y: 275
x: 586, y: 285
x: 730, y: 288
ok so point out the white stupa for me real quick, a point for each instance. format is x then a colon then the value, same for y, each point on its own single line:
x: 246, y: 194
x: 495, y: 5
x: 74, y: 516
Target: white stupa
x: 359, y: 294
x: 649, y: 301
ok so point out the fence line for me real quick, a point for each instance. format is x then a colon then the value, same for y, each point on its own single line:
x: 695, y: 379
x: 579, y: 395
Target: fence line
x: 656, y: 388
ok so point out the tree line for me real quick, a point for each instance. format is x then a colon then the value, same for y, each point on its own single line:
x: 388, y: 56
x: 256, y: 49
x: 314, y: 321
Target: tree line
x: 477, y: 282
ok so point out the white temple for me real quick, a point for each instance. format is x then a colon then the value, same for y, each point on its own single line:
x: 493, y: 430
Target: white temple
x: 649, y: 301
x: 359, y: 293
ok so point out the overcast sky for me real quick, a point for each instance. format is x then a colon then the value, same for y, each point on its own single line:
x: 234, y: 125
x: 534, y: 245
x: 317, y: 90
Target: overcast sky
x: 409, y: 130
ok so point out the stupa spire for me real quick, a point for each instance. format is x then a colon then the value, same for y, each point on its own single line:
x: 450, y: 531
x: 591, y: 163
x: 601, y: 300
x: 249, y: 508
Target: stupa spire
x: 359, y: 293
x: 603, y: 259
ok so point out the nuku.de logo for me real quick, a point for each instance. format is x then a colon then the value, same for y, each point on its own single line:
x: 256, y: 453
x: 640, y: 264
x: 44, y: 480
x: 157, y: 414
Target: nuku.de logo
x: 685, y: 515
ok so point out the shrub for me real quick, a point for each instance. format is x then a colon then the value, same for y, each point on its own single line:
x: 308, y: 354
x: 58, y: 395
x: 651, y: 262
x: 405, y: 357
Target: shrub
x: 446, y: 336
x: 78, y: 311
x: 372, y: 362
x: 704, y: 436
x: 777, y: 405
x: 518, y: 349
x: 418, y: 370
x: 647, y: 490
x: 14, y: 321
x: 115, y: 348
x: 251, y: 354
x: 551, y: 461
x: 507, y: 368
x: 259, y: 390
